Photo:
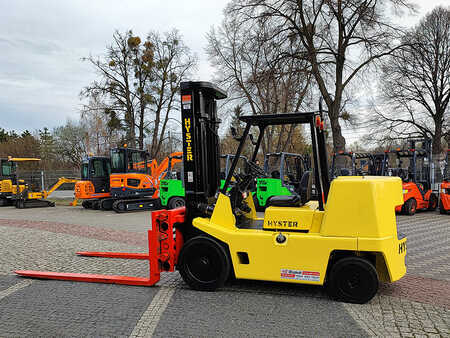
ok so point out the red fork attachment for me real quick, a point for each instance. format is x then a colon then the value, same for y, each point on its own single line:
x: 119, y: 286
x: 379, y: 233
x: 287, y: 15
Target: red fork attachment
x: 164, y: 245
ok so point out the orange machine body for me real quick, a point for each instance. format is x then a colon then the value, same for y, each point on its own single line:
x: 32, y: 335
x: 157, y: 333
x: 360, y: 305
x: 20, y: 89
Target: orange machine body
x: 444, y: 192
x: 420, y: 199
x: 130, y: 184
x: 86, y: 190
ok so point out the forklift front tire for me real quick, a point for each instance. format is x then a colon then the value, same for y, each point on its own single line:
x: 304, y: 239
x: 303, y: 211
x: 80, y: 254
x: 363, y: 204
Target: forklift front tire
x: 204, y: 264
x: 432, y: 202
x: 410, y: 207
x: 176, y: 202
x: 353, y: 280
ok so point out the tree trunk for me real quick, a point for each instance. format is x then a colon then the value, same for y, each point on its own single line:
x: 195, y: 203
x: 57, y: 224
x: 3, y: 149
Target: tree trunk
x: 437, y: 137
x: 338, y: 139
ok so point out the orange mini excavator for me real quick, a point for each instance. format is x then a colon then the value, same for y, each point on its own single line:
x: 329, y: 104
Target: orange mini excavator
x: 127, y: 181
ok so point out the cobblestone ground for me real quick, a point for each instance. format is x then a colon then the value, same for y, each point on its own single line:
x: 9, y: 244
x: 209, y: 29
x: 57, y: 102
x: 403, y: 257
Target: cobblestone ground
x: 417, y: 305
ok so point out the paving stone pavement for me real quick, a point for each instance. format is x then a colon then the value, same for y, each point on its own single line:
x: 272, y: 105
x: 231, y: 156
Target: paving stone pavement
x: 417, y: 305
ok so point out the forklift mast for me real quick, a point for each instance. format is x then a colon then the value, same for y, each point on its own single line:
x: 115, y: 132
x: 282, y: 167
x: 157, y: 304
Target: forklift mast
x: 201, y: 149
x: 423, y: 152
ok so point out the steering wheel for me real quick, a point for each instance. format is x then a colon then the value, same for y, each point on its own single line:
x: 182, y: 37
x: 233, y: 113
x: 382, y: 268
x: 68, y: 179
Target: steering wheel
x: 242, y: 184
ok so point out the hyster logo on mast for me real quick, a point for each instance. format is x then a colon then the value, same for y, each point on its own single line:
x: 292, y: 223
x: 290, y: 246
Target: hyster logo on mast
x: 188, y: 139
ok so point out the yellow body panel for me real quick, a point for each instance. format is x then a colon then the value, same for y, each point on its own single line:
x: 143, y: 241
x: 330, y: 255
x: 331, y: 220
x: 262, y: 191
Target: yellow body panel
x: 359, y: 217
x: 6, y: 186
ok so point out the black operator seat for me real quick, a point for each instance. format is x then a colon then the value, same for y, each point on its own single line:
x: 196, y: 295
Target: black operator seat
x: 297, y: 199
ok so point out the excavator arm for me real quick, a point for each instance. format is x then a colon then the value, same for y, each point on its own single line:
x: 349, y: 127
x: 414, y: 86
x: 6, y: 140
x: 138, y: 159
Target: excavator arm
x: 60, y: 182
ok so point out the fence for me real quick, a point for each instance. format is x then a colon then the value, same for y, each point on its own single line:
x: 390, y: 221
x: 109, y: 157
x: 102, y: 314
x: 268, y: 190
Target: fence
x: 39, y: 180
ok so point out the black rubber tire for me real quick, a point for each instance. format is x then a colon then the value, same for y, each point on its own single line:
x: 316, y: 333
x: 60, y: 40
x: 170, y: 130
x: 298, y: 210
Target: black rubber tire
x: 432, y: 202
x: 204, y: 264
x: 87, y: 204
x: 352, y: 280
x: 176, y: 202
x: 441, y: 208
x: 410, y: 207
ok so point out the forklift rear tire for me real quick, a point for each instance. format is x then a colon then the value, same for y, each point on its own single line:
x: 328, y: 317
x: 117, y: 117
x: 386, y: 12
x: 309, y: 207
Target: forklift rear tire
x: 432, y: 202
x: 176, y: 202
x: 204, y: 264
x: 353, y: 280
x: 410, y: 207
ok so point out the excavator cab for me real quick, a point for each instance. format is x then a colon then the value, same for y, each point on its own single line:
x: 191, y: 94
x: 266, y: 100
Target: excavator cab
x: 97, y: 170
x: 94, y: 183
x: 7, y: 180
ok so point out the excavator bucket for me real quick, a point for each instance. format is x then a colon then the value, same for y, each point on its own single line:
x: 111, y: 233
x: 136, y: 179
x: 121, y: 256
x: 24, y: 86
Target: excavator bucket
x: 164, y: 246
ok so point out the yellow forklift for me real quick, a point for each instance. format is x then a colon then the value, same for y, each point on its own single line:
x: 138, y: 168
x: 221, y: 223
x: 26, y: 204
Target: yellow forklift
x: 345, y: 241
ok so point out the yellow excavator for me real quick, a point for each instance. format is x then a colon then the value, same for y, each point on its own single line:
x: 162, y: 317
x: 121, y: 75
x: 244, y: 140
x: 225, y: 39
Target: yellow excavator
x: 19, y: 193
x: 8, y: 179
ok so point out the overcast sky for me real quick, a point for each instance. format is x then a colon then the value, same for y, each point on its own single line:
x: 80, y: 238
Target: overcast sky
x: 42, y: 42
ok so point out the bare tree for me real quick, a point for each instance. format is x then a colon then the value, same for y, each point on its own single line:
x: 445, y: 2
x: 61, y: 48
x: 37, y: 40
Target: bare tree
x: 339, y: 39
x: 247, y: 65
x: 103, y: 130
x: 415, y: 82
x: 115, y: 82
x: 70, y: 143
x: 173, y: 62
x: 137, y: 85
